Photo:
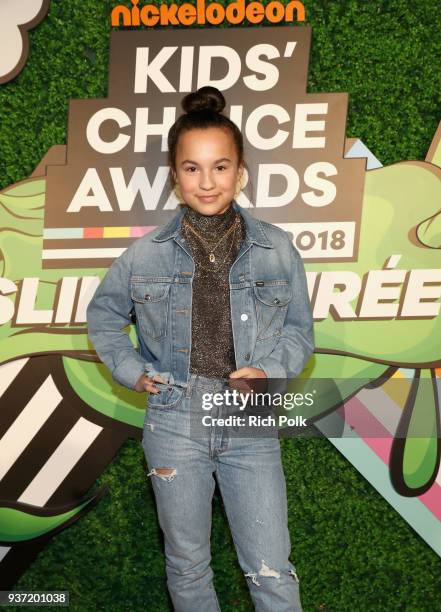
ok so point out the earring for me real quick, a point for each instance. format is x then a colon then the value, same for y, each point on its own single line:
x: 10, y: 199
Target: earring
x: 238, y: 187
x: 178, y: 193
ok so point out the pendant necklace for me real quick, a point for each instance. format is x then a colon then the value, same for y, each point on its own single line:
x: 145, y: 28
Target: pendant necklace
x: 211, y: 248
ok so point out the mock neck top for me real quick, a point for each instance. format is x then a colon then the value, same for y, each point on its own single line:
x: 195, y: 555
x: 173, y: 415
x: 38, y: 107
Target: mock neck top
x: 211, y: 226
x: 212, y: 347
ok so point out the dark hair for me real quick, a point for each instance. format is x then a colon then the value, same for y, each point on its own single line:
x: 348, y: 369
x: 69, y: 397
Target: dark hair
x: 203, y: 109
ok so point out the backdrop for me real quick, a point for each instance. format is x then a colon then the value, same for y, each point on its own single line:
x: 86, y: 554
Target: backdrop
x: 364, y: 217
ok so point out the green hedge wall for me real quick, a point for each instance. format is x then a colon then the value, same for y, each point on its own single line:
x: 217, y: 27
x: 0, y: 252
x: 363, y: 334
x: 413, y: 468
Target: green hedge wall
x: 351, y: 549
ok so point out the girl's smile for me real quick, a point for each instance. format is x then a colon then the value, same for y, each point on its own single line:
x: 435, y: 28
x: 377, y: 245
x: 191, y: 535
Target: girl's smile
x: 207, y: 169
x: 208, y: 198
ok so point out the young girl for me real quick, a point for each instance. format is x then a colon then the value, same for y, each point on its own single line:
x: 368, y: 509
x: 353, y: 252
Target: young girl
x: 219, y: 297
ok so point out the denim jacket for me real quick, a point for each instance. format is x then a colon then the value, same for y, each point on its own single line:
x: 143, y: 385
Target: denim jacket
x: 270, y: 310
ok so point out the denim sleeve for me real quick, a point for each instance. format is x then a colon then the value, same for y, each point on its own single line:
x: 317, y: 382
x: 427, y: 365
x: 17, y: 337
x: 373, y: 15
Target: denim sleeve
x: 296, y: 343
x: 107, y: 314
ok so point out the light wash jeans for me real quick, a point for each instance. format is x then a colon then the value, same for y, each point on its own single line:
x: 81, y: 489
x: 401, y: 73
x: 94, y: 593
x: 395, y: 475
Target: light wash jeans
x: 251, y: 480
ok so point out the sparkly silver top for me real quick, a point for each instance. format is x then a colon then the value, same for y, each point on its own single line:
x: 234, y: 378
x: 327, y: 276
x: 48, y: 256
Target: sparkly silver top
x: 212, y: 347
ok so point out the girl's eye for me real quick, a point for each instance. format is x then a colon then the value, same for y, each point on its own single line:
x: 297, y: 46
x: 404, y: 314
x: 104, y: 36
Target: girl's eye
x: 221, y: 167
x: 190, y: 168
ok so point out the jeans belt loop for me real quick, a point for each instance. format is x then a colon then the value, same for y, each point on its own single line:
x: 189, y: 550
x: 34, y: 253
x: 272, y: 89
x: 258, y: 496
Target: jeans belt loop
x: 190, y: 385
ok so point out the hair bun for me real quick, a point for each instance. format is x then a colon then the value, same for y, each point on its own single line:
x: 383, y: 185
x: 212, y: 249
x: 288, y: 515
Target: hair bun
x: 204, y: 99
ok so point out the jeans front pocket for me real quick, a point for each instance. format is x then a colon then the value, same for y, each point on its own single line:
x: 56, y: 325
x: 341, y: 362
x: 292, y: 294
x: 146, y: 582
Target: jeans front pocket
x: 271, y: 299
x: 169, y: 397
x: 151, y: 299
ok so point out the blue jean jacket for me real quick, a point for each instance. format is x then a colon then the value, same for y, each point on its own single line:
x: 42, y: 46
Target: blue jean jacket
x: 270, y: 310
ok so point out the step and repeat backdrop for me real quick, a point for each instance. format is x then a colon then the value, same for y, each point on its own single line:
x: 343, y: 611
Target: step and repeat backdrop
x: 75, y: 195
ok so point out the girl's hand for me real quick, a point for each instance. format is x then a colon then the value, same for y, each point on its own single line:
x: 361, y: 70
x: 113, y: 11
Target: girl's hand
x: 145, y: 383
x: 248, y: 373
x: 238, y: 380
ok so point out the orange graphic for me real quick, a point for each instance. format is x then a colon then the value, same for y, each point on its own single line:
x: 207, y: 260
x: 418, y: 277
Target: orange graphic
x: 214, y: 13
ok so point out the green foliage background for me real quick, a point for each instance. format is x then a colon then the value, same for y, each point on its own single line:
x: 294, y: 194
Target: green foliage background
x: 351, y: 549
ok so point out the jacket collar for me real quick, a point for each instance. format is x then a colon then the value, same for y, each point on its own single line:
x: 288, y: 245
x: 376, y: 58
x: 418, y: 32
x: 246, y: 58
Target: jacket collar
x: 254, y: 228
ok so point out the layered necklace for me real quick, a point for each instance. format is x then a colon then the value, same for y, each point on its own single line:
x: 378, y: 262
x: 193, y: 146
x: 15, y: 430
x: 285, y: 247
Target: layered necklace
x: 210, y: 246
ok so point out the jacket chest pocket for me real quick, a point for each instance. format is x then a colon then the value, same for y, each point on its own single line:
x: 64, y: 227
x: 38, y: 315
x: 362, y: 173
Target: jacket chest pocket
x: 151, y: 300
x: 271, y: 299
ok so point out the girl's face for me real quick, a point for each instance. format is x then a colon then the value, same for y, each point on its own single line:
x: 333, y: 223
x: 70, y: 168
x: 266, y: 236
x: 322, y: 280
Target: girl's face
x: 207, y: 169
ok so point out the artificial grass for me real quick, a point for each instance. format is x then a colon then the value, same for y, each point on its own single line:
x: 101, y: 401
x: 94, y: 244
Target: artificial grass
x: 351, y: 549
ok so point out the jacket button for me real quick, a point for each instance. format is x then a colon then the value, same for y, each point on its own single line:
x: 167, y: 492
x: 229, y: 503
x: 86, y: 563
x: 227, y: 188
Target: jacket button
x: 276, y: 301
x: 147, y: 297
x: 244, y: 317
x: 247, y: 357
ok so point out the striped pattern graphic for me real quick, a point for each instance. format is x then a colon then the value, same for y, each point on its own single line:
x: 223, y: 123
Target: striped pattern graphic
x: 53, y: 447
x: 68, y: 233
x: 367, y: 425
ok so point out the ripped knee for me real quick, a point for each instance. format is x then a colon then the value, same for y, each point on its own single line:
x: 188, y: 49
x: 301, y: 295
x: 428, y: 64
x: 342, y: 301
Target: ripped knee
x: 166, y: 474
x: 267, y: 571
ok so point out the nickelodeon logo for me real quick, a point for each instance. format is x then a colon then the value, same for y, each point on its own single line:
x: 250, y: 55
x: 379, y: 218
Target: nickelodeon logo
x: 214, y: 13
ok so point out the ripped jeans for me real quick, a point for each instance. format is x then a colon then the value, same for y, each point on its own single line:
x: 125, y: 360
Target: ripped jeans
x: 182, y: 463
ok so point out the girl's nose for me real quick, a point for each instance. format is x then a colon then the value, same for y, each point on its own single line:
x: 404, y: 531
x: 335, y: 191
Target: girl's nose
x: 206, y: 181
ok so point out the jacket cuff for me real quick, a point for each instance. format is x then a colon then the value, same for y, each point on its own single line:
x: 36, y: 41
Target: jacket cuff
x: 129, y: 371
x: 272, y: 368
